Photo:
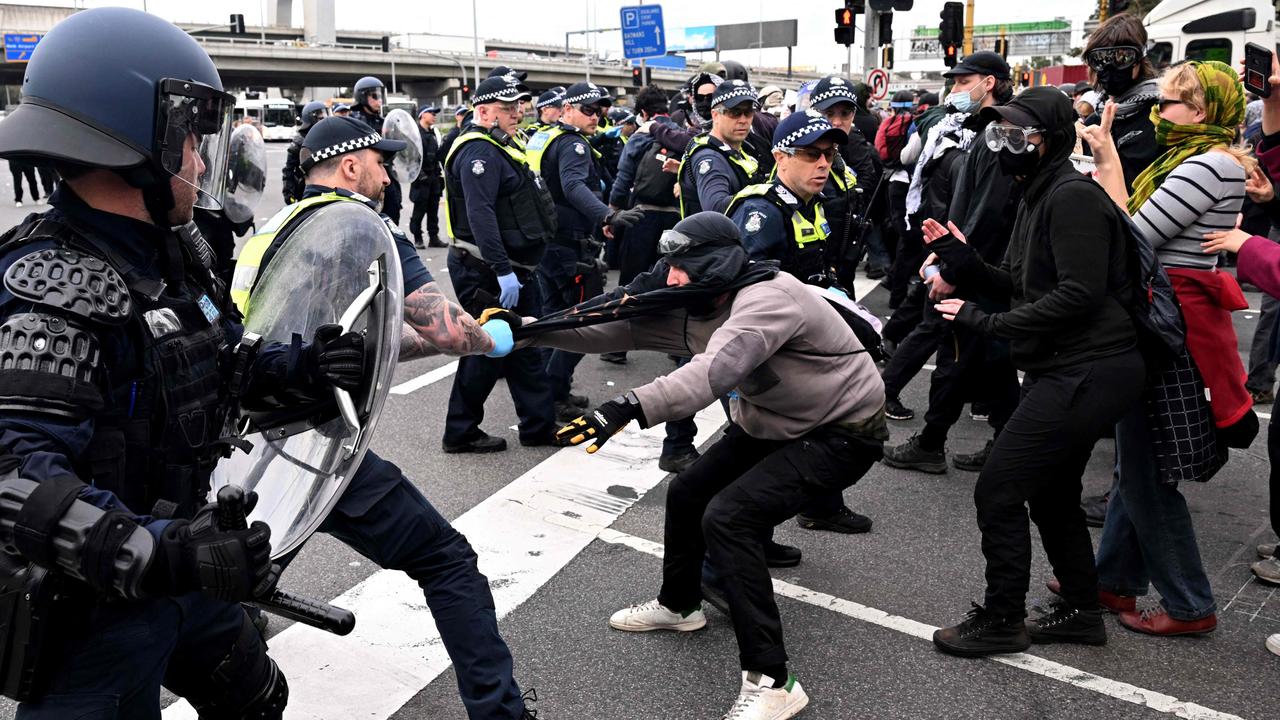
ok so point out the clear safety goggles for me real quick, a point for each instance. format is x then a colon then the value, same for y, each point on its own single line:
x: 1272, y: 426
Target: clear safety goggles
x: 186, y: 108
x: 674, y: 243
x: 1016, y: 139
x: 1119, y: 57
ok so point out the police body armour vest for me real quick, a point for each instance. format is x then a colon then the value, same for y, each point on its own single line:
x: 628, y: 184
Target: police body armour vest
x: 804, y: 253
x: 745, y: 169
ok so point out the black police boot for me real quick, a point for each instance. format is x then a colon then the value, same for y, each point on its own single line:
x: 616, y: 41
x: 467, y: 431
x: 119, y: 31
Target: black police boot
x: 417, y: 242
x: 1065, y: 623
x: 567, y: 412
x: 982, y: 633
x: 843, y: 521
x: 777, y: 555
x: 435, y: 242
x: 617, y: 358
x: 581, y: 401
x: 895, y: 410
x: 678, y: 462
x: 975, y: 461
x: 911, y: 456
x: 485, y: 443
x: 1095, y: 509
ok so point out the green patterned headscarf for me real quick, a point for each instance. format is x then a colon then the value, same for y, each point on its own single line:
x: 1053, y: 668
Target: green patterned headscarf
x: 1223, y: 111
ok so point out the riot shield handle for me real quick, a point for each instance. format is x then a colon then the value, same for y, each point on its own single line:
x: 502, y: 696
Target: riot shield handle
x: 316, y: 613
x: 347, y: 406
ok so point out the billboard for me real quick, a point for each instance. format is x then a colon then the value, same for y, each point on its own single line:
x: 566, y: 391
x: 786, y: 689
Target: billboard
x: 749, y: 36
x: 1052, y: 37
x: 691, y: 39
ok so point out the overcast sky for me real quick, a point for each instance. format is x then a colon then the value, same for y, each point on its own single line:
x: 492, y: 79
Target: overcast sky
x: 511, y: 20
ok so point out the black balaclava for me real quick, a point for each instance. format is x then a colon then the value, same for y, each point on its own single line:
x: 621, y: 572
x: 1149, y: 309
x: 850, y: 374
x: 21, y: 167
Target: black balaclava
x: 1116, y: 82
x: 1056, y: 120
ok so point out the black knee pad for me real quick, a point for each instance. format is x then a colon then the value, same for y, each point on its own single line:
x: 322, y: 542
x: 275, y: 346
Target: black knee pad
x: 246, y: 685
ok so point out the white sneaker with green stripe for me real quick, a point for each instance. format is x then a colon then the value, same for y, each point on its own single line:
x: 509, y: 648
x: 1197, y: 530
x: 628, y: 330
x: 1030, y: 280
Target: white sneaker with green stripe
x: 653, y: 615
x: 759, y: 700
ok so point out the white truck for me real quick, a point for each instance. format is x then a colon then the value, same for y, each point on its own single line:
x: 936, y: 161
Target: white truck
x: 1209, y: 30
x: 276, y: 118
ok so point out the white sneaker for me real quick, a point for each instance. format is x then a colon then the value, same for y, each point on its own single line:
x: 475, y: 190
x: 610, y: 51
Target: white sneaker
x: 1273, y: 643
x: 17, y: 203
x: 759, y: 700
x: 654, y: 616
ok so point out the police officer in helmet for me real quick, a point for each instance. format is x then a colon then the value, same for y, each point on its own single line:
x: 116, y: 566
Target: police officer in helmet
x: 368, y: 95
x: 292, y: 177
x: 116, y: 424
x: 501, y: 218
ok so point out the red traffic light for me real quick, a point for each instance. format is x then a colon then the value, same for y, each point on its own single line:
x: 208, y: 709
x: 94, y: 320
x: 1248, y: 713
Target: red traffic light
x: 844, y: 17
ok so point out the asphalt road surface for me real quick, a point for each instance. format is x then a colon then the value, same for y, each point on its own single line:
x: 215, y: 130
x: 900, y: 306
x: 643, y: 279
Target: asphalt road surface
x: 567, y: 538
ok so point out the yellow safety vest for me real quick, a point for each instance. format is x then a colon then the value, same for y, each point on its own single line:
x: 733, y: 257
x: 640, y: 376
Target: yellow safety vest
x: 801, y: 257
x: 541, y: 142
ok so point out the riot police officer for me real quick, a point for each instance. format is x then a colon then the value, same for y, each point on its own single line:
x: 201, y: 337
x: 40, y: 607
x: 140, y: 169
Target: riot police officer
x: 572, y: 270
x: 123, y: 359
x: 429, y: 185
x: 547, y: 109
x: 714, y: 167
x: 292, y: 178
x: 368, y: 96
x: 785, y: 220
x: 501, y: 218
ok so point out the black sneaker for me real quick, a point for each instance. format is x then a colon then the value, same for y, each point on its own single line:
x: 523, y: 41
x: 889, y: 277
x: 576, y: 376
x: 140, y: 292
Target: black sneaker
x: 1095, y: 509
x: 983, y: 633
x: 677, y: 462
x: 979, y: 411
x: 581, y: 401
x: 417, y: 243
x: 844, y: 521
x: 895, y: 410
x: 910, y: 456
x: 436, y: 242
x: 975, y: 461
x: 484, y: 444
x: 777, y: 555
x: 617, y: 358
x: 1065, y: 623
x: 567, y: 412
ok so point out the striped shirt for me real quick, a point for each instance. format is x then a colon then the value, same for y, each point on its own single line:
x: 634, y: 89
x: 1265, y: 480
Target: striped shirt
x: 1201, y: 195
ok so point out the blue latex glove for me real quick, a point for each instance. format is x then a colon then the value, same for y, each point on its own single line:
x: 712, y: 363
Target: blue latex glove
x: 503, y: 342
x: 510, y: 292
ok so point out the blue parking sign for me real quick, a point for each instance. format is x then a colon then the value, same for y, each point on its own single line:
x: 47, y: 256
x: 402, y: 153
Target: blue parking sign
x: 642, y: 32
x: 19, y: 46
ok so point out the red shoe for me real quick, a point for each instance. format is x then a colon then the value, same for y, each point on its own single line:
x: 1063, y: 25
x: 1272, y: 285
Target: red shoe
x: 1109, y: 601
x: 1155, y: 621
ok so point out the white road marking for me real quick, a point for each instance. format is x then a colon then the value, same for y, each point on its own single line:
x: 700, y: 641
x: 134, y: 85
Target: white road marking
x: 425, y: 379
x: 863, y: 286
x: 1023, y: 661
x: 524, y: 534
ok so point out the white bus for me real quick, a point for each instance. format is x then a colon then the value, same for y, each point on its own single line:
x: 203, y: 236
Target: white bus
x: 1209, y: 29
x: 277, y: 118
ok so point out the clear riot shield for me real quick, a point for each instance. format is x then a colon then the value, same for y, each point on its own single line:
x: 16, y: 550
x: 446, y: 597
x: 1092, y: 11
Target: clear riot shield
x: 339, y: 265
x: 246, y: 173
x: 407, y: 163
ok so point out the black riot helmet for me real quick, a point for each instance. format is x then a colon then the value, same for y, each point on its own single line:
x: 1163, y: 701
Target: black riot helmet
x: 128, y: 106
x: 734, y: 70
x: 366, y: 86
x: 312, y: 113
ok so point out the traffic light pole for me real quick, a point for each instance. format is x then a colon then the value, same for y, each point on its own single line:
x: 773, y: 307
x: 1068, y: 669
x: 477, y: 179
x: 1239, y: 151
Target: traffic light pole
x: 968, y: 27
x: 870, y: 40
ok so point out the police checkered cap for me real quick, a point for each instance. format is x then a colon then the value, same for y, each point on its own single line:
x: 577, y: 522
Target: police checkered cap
x: 585, y: 93
x: 804, y: 128
x: 832, y: 90
x: 500, y: 88
x: 334, y: 136
x: 551, y: 98
x: 734, y: 92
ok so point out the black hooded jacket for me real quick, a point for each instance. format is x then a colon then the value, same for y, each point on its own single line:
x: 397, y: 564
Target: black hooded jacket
x: 1066, y: 272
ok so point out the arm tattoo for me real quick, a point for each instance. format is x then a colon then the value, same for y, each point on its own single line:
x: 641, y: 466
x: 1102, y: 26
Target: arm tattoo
x: 433, y: 325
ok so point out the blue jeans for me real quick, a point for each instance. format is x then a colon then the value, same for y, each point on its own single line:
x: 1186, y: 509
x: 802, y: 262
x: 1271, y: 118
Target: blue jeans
x: 1148, y: 537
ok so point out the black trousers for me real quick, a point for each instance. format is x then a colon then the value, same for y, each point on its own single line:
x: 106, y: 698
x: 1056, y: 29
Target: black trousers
x: 911, y: 248
x: 914, y: 351
x: 638, y: 250
x: 1037, y: 463
x: 908, y: 315
x: 477, y: 374
x: 20, y: 171
x: 728, y: 501
x: 971, y: 366
x: 426, y: 206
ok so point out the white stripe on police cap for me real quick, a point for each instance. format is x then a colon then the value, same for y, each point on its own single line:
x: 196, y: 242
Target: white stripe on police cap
x: 346, y: 146
x: 739, y: 89
x: 593, y: 94
x: 815, y: 124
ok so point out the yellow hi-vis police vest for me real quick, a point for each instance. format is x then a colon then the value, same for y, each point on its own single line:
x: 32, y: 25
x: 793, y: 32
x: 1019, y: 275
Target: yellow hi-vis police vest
x: 250, y: 260
x: 805, y: 247
x: 541, y: 141
x: 746, y: 166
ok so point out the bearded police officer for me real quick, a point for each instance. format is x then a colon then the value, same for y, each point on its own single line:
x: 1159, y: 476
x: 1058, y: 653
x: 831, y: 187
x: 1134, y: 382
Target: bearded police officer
x: 571, y: 270
x: 292, y: 177
x: 369, y: 94
x: 381, y: 514
x: 714, y: 167
x: 429, y: 185
x: 785, y: 220
x: 501, y: 219
x: 121, y: 358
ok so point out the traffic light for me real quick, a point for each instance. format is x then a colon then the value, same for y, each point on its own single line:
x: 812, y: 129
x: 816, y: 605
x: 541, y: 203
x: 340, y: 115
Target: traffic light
x: 237, y: 24
x: 951, y: 31
x: 466, y: 89
x: 886, y: 29
x: 1002, y: 47
x: 886, y: 57
x: 639, y: 76
x: 1024, y: 78
x: 949, y: 53
x: 386, y: 43
x: 846, y: 33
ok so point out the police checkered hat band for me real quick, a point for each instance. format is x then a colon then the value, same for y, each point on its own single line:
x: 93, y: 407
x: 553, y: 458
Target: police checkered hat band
x: 502, y: 88
x: 346, y: 146
x: 801, y: 129
x: 842, y: 92
x: 734, y: 92
x: 553, y: 97
x: 584, y: 94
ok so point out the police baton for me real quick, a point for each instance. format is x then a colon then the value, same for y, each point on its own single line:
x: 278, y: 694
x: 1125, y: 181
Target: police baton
x: 316, y: 613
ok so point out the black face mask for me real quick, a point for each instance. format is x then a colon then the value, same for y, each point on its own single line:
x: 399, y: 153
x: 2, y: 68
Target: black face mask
x: 1018, y: 165
x: 1116, y: 82
x: 702, y: 105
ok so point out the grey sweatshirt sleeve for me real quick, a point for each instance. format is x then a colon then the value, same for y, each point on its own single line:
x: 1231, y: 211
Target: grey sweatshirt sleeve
x: 1197, y: 197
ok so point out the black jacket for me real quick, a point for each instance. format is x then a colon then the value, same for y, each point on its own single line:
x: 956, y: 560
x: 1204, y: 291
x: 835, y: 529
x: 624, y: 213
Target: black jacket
x: 1134, y: 135
x: 292, y: 178
x: 430, y: 180
x: 983, y: 203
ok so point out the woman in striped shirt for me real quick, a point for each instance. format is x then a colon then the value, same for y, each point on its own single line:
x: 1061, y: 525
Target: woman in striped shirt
x: 1196, y: 186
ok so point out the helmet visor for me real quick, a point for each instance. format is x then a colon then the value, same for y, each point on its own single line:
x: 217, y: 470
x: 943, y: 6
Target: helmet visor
x: 674, y: 243
x: 189, y: 108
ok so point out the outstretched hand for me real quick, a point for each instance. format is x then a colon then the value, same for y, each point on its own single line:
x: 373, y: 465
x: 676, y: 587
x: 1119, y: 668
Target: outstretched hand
x: 933, y: 230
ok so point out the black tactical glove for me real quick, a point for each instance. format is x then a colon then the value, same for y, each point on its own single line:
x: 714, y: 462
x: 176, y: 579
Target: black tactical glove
x: 230, y: 565
x: 623, y: 219
x: 602, y: 423
x: 335, y: 358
